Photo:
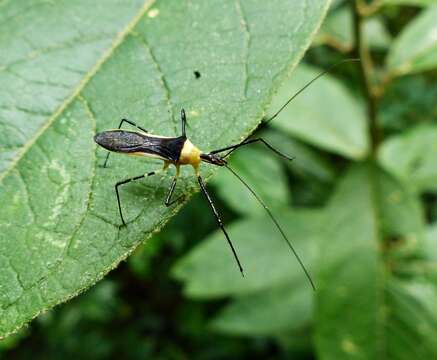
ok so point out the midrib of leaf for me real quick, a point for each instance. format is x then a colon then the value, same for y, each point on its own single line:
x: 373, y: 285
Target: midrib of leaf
x: 367, y: 340
x: 245, y: 29
x: 47, y: 50
x: 163, y: 81
x: 381, y: 343
x: 76, y: 92
x: 406, y: 65
x: 421, y: 53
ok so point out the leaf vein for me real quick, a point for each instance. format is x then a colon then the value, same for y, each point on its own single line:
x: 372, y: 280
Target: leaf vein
x: 162, y: 77
x: 67, y: 246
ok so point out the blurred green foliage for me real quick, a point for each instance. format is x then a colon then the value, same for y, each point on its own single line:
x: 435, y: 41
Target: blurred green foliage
x: 360, y: 209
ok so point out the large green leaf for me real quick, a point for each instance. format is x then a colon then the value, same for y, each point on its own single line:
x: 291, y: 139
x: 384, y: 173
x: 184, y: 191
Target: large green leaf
x: 411, y: 157
x: 311, y: 117
x: 68, y: 69
x: 412, y: 317
x: 365, y: 283
x: 416, y: 47
x: 411, y: 321
x: 268, y: 312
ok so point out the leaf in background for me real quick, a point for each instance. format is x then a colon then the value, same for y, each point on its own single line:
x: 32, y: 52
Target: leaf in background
x: 262, y: 170
x: 312, y: 171
x: 311, y: 117
x: 336, y: 3
x: 412, y: 157
x: 349, y: 272
x: 355, y: 275
x: 337, y: 31
x: 412, y: 317
x: 407, y: 102
x: 415, y: 49
x: 210, y: 271
x: 376, y: 34
x: 307, y: 162
x: 269, y: 312
x: 411, y: 320
x: 431, y: 245
x: 68, y: 69
x: 354, y: 272
x: 298, y: 344
x: 409, y: 2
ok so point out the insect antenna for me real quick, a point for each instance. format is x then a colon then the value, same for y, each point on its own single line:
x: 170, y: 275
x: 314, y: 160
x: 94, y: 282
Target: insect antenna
x: 329, y: 69
x: 276, y: 224
x: 230, y: 149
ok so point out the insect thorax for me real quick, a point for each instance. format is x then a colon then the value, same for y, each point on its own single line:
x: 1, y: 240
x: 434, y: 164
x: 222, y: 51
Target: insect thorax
x: 190, y: 154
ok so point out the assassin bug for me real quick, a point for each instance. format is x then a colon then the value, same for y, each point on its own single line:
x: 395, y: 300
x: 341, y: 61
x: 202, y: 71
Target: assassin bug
x: 180, y: 151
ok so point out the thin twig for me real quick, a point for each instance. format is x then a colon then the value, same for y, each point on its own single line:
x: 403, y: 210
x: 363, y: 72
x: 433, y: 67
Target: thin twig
x: 368, y: 9
x: 366, y: 71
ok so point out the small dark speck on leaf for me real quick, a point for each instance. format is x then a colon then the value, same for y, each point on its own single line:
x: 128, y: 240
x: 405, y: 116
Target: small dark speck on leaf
x: 197, y: 74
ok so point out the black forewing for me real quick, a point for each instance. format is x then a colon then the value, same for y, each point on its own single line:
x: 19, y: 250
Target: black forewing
x: 134, y: 142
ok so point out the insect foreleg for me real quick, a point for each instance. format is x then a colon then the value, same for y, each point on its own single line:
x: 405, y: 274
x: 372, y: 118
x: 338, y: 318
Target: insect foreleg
x: 231, y: 148
x: 119, y: 127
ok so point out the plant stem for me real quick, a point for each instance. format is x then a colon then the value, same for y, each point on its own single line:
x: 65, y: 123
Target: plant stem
x: 366, y: 71
x: 367, y: 9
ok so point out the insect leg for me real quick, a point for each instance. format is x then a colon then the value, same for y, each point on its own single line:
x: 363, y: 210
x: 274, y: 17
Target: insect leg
x: 125, y: 182
x: 168, y: 201
x: 133, y: 124
x: 219, y: 221
x: 183, y: 121
x: 119, y: 127
x: 250, y: 141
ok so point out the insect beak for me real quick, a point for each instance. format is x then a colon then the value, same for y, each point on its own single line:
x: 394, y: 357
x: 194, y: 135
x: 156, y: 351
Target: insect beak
x: 213, y: 159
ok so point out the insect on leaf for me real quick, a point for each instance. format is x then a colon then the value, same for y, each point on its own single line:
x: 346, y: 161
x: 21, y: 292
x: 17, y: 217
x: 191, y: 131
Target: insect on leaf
x: 71, y: 68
